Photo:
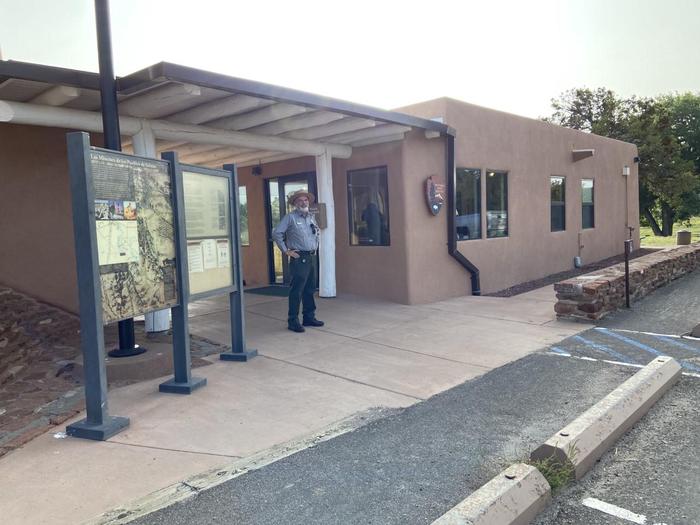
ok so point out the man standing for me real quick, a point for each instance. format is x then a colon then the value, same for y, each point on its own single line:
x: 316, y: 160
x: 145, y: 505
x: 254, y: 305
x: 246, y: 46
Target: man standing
x: 297, y: 236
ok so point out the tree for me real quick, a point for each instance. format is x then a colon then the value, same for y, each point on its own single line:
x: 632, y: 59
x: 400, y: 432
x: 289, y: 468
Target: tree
x: 670, y: 184
x: 668, y: 138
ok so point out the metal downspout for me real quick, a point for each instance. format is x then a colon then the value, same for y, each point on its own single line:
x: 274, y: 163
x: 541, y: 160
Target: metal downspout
x: 451, y: 214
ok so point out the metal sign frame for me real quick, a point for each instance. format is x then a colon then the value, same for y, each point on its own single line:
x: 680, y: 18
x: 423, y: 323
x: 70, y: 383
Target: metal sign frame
x: 183, y: 382
x: 98, y: 424
x: 200, y: 170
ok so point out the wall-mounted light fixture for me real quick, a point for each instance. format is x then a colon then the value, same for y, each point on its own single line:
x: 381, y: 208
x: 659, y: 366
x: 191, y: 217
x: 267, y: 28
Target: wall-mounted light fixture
x: 625, y: 171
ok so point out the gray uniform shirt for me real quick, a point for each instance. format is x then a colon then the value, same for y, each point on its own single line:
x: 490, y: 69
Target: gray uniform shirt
x: 295, y: 232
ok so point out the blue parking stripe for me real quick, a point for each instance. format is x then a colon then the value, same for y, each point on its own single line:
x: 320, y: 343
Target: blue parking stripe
x: 558, y: 350
x: 676, y: 342
x: 605, y: 349
x: 646, y: 348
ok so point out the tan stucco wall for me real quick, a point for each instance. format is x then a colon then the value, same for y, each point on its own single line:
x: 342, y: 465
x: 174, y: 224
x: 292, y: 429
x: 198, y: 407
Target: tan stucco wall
x: 433, y: 273
x: 36, y: 224
x: 36, y: 220
x: 532, y: 151
x: 372, y: 271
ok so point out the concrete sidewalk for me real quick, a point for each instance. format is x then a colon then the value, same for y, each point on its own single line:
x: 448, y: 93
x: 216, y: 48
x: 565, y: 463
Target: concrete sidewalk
x: 369, y: 354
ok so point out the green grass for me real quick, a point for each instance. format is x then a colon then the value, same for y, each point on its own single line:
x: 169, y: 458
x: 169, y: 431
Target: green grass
x: 557, y: 473
x: 650, y: 240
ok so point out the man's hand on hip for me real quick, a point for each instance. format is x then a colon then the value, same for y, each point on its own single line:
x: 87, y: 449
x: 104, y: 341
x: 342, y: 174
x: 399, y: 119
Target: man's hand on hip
x: 292, y: 253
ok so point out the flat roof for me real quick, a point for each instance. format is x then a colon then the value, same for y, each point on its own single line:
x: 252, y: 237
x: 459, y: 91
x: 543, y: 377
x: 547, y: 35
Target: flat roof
x: 186, y: 95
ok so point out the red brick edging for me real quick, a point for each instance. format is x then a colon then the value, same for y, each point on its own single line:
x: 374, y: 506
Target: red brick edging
x: 594, y: 295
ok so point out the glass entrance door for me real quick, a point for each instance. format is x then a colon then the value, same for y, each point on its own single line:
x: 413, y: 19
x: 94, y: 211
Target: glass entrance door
x: 278, y: 191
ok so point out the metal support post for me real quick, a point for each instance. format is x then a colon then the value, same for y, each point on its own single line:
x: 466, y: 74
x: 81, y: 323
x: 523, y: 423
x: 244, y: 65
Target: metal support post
x: 112, y: 140
x: 238, y: 352
x: 628, y: 250
x: 98, y: 424
x: 182, y: 382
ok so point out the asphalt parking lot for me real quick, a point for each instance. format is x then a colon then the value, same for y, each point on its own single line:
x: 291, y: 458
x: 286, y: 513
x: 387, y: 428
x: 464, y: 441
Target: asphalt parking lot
x: 652, y: 475
x: 416, y: 463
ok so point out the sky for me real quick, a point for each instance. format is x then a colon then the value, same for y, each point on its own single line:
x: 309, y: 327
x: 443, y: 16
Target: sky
x: 514, y: 56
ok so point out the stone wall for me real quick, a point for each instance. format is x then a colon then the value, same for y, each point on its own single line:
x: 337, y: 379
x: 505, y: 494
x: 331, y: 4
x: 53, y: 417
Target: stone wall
x: 594, y: 295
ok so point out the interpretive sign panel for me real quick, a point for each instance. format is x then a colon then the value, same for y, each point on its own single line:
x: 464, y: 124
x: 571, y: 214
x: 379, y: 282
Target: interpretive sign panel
x: 207, y: 196
x: 134, y: 226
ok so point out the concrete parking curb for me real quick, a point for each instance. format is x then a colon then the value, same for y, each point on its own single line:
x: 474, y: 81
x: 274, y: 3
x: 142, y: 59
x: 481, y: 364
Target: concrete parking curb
x: 588, y: 437
x: 513, y: 497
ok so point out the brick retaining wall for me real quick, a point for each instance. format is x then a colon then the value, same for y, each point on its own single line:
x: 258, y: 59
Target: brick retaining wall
x: 594, y: 295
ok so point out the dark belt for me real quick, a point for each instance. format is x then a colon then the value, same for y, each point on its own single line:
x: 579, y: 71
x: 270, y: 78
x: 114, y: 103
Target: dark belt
x: 304, y: 252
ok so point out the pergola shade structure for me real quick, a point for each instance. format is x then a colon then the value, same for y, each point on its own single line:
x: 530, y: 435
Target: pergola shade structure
x: 209, y: 119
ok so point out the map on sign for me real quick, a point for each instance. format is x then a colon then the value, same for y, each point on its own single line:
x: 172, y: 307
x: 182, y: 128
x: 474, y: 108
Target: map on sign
x: 117, y: 241
x: 134, y: 225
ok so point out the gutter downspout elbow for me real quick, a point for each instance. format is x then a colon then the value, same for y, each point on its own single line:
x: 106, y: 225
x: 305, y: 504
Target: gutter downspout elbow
x: 451, y: 212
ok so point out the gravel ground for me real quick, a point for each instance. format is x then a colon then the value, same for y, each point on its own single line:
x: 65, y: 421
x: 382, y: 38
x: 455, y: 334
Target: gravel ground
x: 652, y: 471
x: 561, y: 276
x: 40, y: 384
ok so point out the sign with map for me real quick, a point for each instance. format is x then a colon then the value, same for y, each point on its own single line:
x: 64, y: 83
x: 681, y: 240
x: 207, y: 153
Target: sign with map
x: 207, y: 201
x: 134, y: 225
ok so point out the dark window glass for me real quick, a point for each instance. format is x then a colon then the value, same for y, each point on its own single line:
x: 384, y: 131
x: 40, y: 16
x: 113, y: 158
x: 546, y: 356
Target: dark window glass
x: 587, y: 204
x: 468, y: 200
x: 496, y: 204
x: 368, y: 207
x: 557, y: 190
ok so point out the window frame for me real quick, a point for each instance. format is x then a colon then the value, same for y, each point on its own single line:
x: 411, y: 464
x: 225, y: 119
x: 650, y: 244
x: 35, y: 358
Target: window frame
x: 348, y: 175
x: 507, y: 203
x: 245, y: 191
x: 591, y: 205
x: 479, y: 203
x: 561, y: 204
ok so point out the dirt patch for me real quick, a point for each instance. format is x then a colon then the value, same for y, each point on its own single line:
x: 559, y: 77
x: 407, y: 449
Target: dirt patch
x: 561, y: 276
x: 41, y: 385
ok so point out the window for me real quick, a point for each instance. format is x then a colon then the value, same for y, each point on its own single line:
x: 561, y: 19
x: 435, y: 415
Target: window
x: 368, y: 207
x: 243, y: 213
x: 557, y: 191
x: 496, y: 204
x: 468, y: 201
x: 587, y: 205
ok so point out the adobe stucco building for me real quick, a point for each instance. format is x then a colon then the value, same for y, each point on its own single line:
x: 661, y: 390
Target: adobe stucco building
x: 523, y: 197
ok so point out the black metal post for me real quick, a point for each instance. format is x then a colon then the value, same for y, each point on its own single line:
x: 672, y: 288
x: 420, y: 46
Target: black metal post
x: 112, y: 140
x: 182, y: 382
x: 238, y: 352
x: 98, y: 424
x: 628, y: 249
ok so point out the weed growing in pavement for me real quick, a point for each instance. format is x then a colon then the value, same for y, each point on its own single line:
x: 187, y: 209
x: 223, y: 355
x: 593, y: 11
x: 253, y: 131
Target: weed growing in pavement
x: 558, y: 473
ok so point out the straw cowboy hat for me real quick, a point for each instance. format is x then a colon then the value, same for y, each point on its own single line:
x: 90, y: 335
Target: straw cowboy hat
x: 300, y: 193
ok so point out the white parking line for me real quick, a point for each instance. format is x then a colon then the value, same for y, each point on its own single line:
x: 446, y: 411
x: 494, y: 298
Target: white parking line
x: 614, y: 510
x: 673, y: 336
x: 633, y: 365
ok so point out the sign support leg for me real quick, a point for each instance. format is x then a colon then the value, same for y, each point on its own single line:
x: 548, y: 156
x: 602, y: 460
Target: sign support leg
x: 182, y: 382
x: 98, y: 425
x: 238, y: 352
